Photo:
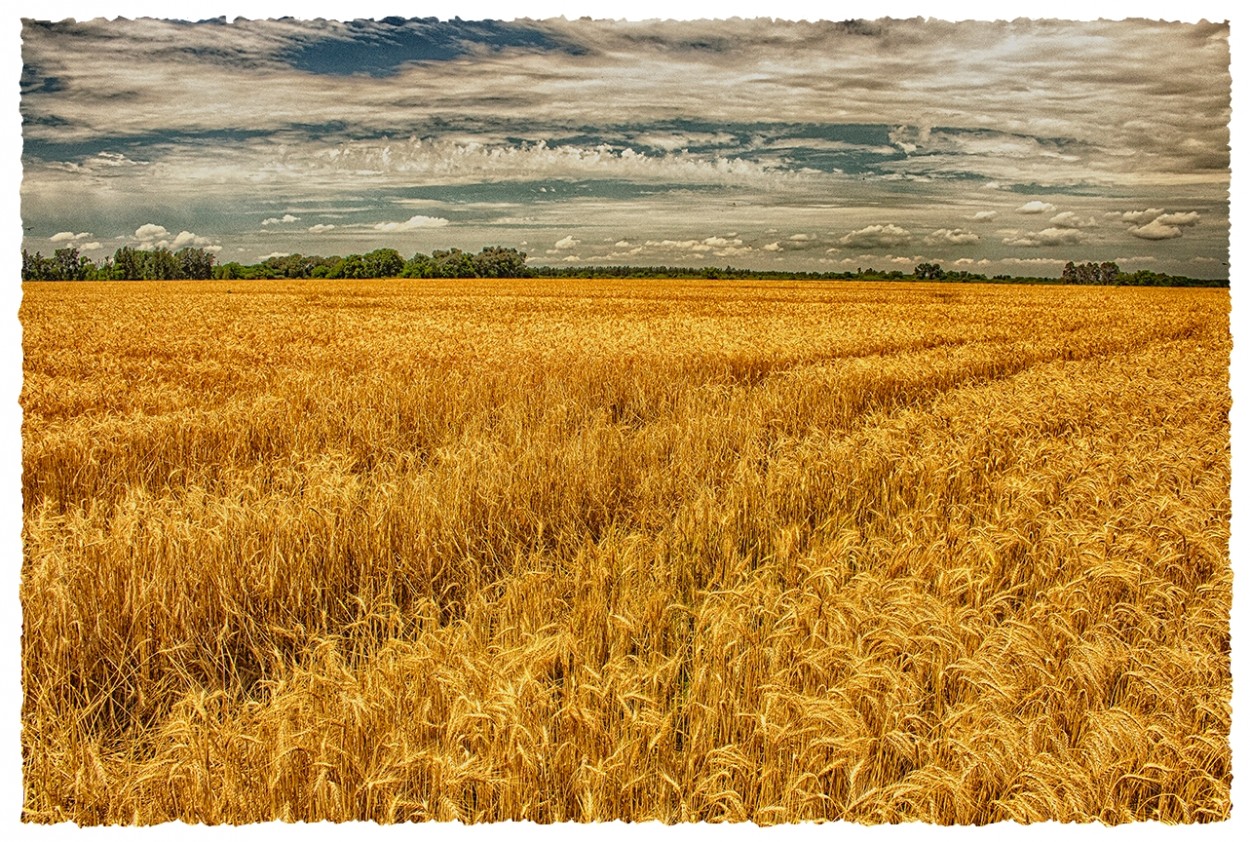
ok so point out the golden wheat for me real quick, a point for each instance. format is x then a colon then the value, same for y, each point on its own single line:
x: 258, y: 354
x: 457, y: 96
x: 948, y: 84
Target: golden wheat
x: 638, y: 550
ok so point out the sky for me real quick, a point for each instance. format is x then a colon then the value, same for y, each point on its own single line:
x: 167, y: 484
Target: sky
x: 994, y: 147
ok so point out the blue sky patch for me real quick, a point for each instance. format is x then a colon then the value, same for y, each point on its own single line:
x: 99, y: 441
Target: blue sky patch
x: 381, y: 48
x: 141, y: 145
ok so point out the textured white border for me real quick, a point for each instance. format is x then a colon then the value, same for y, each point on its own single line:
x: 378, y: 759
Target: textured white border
x: 633, y: 9
x: 11, y: 378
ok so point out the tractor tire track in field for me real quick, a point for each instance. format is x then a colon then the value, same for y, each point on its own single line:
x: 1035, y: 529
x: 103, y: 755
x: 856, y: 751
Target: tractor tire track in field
x: 162, y: 452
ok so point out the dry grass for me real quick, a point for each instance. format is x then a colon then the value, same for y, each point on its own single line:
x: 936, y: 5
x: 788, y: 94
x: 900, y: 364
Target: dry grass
x: 573, y: 551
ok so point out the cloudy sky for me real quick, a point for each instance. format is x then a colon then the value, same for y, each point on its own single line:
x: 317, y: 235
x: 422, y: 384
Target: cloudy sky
x: 1007, y: 147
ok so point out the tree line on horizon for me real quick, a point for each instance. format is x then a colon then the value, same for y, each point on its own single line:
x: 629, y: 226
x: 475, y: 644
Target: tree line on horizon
x: 195, y: 264
x: 158, y: 264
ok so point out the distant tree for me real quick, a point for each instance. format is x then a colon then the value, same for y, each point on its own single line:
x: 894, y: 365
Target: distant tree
x: 318, y: 267
x: 69, y: 265
x: 65, y: 264
x: 127, y: 264
x: 35, y: 267
x: 929, y: 272
x: 1145, y: 277
x: 351, y: 266
x: 453, y: 264
x: 160, y: 264
x: 337, y: 267
x: 499, y: 262
x: 382, y: 263
x: 418, y: 266
x: 231, y: 271
x: 1090, y: 273
x: 103, y: 271
x: 287, y: 266
x: 195, y: 264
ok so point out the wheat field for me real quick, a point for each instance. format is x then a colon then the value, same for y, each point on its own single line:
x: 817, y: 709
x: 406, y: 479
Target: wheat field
x: 574, y: 551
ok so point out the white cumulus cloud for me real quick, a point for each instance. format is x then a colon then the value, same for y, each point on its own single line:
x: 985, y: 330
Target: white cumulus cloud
x: 1068, y: 219
x: 1158, y: 224
x: 152, y: 236
x: 151, y: 231
x: 1141, y: 215
x: 275, y: 220
x: 1182, y: 220
x: 413, y: 223
x: 1035, y: 207
x: 187, y: 239
x: 951, y: 236
x: 1033, y: 261
x: 1046, y: 237
x: 1156, y: 230
x: 877, y: 236
x: 69, y: 236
